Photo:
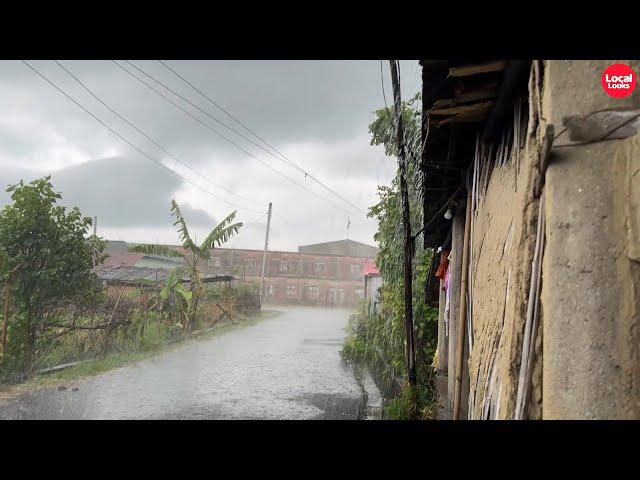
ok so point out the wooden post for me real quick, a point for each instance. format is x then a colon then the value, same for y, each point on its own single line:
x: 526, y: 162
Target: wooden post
x: 455, y: 265
x: 463, y: 312
x: 443, y: 350
x: 406, y: 223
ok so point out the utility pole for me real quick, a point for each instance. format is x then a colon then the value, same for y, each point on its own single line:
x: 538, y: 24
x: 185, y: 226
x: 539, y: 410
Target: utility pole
x: 410, y: 351
x: 95, y: 226
x: 264, y: 256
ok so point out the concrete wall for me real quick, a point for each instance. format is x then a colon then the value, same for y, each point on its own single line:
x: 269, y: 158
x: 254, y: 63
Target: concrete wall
x: 591, y: 274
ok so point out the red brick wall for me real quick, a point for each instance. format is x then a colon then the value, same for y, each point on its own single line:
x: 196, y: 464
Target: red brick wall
x: 337, y: 283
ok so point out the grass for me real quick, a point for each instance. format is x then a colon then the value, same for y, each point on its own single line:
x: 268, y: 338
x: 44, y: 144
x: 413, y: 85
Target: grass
x: 153, y: 344
x: 362, y: 347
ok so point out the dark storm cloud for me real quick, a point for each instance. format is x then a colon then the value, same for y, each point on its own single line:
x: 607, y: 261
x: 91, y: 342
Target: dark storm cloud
x: 283, y: 101
x: 120, y: 192
x: 316, y: 112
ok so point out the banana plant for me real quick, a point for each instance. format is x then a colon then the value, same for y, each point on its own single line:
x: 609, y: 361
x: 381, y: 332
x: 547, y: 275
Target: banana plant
x: 193, y: 253
x: 175, y: 298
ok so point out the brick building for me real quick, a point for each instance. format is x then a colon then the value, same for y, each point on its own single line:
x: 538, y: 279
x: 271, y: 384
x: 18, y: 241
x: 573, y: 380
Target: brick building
x: 301, y: 277
x: 311, y: 277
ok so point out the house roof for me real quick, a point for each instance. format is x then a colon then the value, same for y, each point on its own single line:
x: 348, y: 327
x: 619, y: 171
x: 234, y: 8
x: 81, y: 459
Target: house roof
x: 469, y: 105
x: 346, y: 247
x: 370, y: 269
x: 124, y: 259
x: 116, y: 247
x: 135, y: 275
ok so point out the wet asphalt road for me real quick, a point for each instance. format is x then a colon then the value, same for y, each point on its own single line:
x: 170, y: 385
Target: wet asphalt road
x: 285, y: 367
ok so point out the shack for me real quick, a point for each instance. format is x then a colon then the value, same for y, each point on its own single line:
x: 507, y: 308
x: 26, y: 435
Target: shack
x: 527, y: 164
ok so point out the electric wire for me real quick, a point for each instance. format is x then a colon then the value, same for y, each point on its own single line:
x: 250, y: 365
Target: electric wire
x: 142, y: 152
x: 282, y: 156
x: 201, y: 122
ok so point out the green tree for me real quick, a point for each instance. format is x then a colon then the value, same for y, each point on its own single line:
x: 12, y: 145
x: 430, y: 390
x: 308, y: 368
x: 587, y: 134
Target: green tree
x: 47, y: 249
x: 382, y: 129
x: 385, y: 332
x: 192, y: 253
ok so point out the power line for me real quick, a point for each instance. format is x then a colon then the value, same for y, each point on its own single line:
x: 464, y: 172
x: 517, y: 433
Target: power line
x: 236, y: 132
x: 125, y: 140
x: 201, y: 110
x: 217, y: 105
x: 282, y: 157
x: 148, y: 137
x: 201, y: 122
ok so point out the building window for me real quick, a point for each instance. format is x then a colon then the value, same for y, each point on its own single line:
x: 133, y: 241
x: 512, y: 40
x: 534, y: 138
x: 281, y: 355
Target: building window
x: 359, y: 293
x: 313, y: 292
x: 331, y: 296
x: 285, y: 266
x: 355, y: 268
x: 250, y: 264
x: 270, y: 290
x: 291, y: 289
x: 214, y: 262
x: 319, y: 267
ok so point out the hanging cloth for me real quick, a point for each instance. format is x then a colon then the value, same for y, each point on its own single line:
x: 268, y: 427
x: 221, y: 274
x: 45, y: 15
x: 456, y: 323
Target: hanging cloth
x: 447, y: 295
x: 444, y: 264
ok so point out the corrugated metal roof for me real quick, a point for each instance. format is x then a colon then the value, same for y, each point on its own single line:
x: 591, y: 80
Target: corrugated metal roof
x: 128, y: 273
x: 131, y: 274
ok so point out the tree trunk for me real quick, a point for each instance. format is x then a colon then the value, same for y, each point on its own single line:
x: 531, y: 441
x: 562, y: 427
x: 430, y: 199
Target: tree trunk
x: 28, y: 346
x: 195, y: 296
x: 5, y: 312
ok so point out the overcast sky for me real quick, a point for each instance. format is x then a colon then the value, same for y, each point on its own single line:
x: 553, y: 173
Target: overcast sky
x: 315, y: 112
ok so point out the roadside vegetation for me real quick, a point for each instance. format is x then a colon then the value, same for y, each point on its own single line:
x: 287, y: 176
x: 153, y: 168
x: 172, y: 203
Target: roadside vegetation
x: 379, y: 339
x: 55, y: 309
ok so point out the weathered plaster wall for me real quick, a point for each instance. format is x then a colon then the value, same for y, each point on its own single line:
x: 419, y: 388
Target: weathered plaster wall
x: 503, y: 247
x: 503, y: 243
x: 591, y: 274
x: 587, y: 350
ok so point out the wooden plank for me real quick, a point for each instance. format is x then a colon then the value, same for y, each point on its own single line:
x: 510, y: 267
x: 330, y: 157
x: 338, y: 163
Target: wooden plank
x: 460, y: 119
x: 64, y: 365
x: 225, y: 313
x: 481, y: 94
x: 463, y: 110
x: 469, y: 70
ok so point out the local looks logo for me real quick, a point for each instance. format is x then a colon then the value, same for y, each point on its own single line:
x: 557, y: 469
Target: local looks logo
x: 619, y: 80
